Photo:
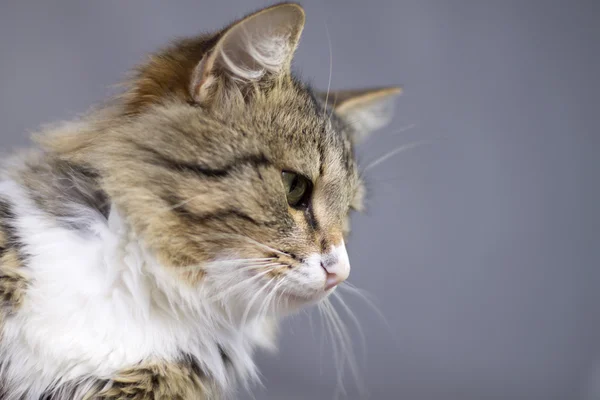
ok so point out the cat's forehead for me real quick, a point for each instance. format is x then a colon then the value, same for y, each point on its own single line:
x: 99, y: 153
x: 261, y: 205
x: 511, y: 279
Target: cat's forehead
x: 297, y: 129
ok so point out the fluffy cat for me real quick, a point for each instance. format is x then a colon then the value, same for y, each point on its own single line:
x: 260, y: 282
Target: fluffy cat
x: 148, y: 248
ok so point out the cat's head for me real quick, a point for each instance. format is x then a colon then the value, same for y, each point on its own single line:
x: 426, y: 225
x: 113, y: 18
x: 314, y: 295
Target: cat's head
x: 239, y: 177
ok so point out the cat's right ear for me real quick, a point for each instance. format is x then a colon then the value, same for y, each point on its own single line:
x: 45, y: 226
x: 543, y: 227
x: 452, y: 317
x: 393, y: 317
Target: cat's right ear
x: 258, y: 47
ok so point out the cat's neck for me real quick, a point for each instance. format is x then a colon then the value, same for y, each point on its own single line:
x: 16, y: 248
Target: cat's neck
x: 98, y: 303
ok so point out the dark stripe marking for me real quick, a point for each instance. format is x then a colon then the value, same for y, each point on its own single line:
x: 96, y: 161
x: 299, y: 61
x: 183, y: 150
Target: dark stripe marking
x: 324, y: 246
x: 254, y: 160
x: 220, y: 215
x: 224, y: 356
x: 176, y: 204
x: 7, y: 216
x: 311, y: 219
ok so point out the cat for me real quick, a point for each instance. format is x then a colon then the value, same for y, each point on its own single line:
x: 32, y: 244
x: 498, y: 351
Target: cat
x: 148, y: 248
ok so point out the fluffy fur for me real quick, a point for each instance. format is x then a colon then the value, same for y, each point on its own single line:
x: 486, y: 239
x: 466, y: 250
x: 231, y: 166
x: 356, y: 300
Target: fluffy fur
x: 147, y: 249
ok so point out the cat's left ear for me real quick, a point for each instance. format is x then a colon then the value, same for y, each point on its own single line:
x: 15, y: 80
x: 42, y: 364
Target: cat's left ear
x: 364, y: 110
x: 258, y: 47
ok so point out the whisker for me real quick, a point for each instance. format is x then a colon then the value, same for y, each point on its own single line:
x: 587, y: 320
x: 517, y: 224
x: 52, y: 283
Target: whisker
x: 251, y: 268
x: 241, y: 260
x: 310, y: 322
x: 322, y: 339
x: 403, y: 129
x: 337, y: 353
x: 269, y: 248
x: 363, y: 295
x: 263, y: 246
x: 392, y: 153
x: 346, y: 346
x: 356, y: 321
x: 329, y: 334
x: 268, y: 299
x: 251, y: 302
x: 239, y: 268
x: 281, y: 294
x: 268, y: 264
x: 255, y: 242
x: 230, y: 289
x: 330, y: 69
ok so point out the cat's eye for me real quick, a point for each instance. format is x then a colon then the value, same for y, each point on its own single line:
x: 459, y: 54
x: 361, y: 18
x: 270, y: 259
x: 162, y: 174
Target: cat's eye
x: 297, y: 188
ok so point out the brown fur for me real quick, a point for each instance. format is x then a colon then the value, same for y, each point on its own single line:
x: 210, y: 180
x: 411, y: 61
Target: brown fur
x: 147, y: 165
x: 62, y: 189
x: 181, y: 380
x: 192, y: 158
x: 167, y: 74
x: 13, y: 279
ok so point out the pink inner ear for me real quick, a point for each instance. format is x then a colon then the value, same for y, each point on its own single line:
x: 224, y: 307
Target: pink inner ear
x: 259, y: 44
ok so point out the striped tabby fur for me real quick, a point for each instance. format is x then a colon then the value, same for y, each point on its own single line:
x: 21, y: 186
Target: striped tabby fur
x: 147, y: 249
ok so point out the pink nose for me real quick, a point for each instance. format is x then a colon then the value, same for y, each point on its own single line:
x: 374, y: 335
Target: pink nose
x: 336, y: 266
x: 332, y: 280
x: 332, y: 277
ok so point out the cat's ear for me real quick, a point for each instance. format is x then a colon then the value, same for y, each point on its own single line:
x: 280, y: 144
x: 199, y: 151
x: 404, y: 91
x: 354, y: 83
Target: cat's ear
x: 365, y: 110
x: 259, y: 46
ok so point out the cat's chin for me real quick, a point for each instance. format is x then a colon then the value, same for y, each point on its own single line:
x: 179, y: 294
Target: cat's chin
x: 294, y: 302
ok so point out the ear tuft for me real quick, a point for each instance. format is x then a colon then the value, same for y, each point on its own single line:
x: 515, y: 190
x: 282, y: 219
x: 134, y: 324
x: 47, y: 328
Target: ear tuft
x: 259, y: 45
x: 365, y: 110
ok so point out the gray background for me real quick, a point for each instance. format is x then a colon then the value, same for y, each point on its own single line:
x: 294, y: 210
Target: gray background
x: 481, y: 250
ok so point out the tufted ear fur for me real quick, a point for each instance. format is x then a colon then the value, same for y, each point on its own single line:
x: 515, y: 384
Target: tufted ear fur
x: 365, y: 110
x: 258, y: 47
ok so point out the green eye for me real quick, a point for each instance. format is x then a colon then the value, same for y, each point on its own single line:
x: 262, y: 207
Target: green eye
x: 297, y: 188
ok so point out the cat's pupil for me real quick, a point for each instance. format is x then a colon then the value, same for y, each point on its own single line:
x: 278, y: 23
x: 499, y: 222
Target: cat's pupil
x: 294, y: 183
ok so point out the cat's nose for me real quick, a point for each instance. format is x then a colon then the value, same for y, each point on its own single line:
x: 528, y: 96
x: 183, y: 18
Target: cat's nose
x: 336, y: 266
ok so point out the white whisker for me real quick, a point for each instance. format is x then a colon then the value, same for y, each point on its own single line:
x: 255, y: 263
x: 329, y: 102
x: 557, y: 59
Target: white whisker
x: 257, y: 266
x: 346, y: 346
x: 242, y: 260
x: 281, y: 295
x: 403, y: 129
x: 268, y: 299
x: 337, y: 352
x: 330, y: 70
x: 392, y: 153
x: 247, y: 281
x: 310, y: 322
x: 363, y: 295
x: 322, y: 339
x: 251, y: 302
x: 251, y: 269
x: 261, y: 262
x: 354, y: 318
x: 259, y: 244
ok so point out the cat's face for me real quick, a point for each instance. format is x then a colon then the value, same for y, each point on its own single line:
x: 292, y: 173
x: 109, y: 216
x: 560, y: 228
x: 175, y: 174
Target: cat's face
x: 237, y: 176
x: 271, y: 183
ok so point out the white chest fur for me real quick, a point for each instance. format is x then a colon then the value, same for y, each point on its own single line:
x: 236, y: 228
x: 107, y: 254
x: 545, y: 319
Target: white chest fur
x: 98, y: 303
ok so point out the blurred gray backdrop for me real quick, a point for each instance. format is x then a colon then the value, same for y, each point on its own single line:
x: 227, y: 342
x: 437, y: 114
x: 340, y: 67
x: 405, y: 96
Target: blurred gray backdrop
x: 482, y: 250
